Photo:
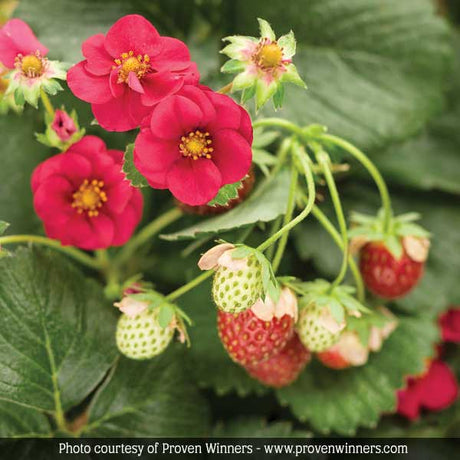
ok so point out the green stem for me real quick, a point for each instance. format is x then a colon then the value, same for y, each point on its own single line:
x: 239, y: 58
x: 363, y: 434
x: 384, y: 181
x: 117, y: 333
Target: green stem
x: 274, y: 227
x: 329, y: 227
x: 287, y: 218
x: 189, y: 286
x: 324, y: 161
x: 76, y: 254
x: 47, y: 103
x: 373, y: 171
x: 146, y: 234
x: 301, y: 156
x: 278, y: 123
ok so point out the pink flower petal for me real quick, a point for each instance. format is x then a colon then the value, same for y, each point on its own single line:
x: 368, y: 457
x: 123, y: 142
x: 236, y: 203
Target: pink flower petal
x: 131, y: 307
x: 228, y: 112
x: 232, y: 155
x: 118, y: 197
x: 154, y: 157
x: 17, y: 37
x: 103, y: 231
x: 134, y: 83
x: 88, y: 87
x: 158, y: 86
x: 201, y: 99
x: 117, y: 89
x: 88, y: 145
x: 209, y: 259
x: 175, y: 117
x: 133, y: 33
x: 98, y: 61
x: 174, y: 51
x: 194, y: 182
x: 126, y: 223
x: 121, y: 114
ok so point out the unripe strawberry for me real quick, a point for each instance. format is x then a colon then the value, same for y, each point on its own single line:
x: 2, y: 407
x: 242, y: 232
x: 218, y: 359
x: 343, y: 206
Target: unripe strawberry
x: 347, y: 352
x: 245, y: 188
x: 316, y: 327
x: 259, y: 332
x: 141, y: 337
x: 283, y: 368
x: 387, y: 276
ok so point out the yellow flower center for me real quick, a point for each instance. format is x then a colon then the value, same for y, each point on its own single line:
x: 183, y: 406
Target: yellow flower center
x: 196, y: 144
x: 127, y: 63
x: 31, y: 65
x: 269, y: 55
x: 89, y: 197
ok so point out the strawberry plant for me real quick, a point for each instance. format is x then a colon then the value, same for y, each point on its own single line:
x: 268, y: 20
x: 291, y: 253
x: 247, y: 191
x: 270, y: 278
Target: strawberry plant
x: 179, y: 229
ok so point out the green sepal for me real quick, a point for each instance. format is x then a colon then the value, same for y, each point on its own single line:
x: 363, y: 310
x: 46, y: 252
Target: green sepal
x: 225, y: 194
x: 3, y: 226
x: 165, y: 315
x: 362, y: 326
x: 278, y: 97
x: 266, y: 30
x: 130, y: 170
x: 233, y: 66
x: 248, y: 93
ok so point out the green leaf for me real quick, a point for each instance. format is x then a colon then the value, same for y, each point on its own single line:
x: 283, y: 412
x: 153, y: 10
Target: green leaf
x: 56, y: 332
x: 343, y: 401
x: 337, y: 311
x: 264, y: 205
x: 255, y: 427
x: 375, y: 69
x: 154, y: 398
x: 132, y: 174
x: 226, y: 193
x: 165, y: 315
x: 22, y: 422
x: 233, y: 66
x: 210, y: 362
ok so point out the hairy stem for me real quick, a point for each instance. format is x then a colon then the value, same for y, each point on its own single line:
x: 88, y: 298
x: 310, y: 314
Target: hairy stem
x: 287, y: 218
x: 324, y: 161
x: 189, y: 286
x: 47, y: 103
x: 373, y: 171
x: 148, y: 232
x: 278, y: 123
x: 329, y: 227
x: 302, y: 158
x: 76, y: 254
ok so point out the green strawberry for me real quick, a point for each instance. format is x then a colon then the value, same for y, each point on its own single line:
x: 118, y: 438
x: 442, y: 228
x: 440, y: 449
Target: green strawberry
x: 237, y: 287
x: 317, y: 329
x: 141, y: 336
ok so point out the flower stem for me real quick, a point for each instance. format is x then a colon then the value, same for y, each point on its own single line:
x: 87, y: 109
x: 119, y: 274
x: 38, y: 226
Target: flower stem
x: 324, y: 161
x: 189, y: 286
x: 278, y: 123
x: 301, y: 156
x: 226, y: 89
x: 287, y: 218
x: 373, y: 171
x: 329, y: 227
x: 146, y: 234
x: 76, y: 254
x: 47, y: 103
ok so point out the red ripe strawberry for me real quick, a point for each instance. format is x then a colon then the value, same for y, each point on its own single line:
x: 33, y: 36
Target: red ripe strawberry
x: 249, y: 339
x: 385, y: 275
x: 245, y: 189
x: 283, y: 368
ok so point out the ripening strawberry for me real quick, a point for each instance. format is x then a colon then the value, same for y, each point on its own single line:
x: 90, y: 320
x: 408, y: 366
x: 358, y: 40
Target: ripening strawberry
x: 259, y: 332
x: 139, y: 336
x: 283, y: 368
x: 347, y: 352
x: 317, y: 329
x: 390, y: 277
x: 237, y: 282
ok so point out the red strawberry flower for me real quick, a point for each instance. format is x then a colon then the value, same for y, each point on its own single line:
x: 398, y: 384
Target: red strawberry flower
x: 437, y: 389
x: 83, y: 198
x: 129, y: 70
x: 450, y: 325
x: 196, y: 142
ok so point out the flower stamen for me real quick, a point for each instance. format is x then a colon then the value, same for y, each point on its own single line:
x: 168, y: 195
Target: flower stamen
x: 268, y: 55
x: 31, y: 65
x: 89, y: 197
x: 128, y: 63
x: 196, y: 144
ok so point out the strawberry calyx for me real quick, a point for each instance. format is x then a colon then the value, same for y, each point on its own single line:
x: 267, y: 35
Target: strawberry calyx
x: 339, y: 300
x: 401, y: 236
x: 169, y: 314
